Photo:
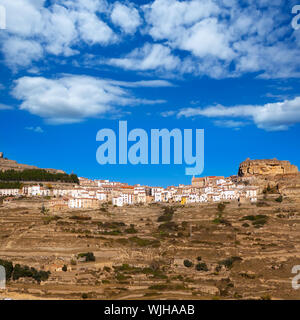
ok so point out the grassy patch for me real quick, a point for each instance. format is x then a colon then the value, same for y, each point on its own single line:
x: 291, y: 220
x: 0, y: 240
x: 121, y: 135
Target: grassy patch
x: 258, y: 221
x: 141, y: 242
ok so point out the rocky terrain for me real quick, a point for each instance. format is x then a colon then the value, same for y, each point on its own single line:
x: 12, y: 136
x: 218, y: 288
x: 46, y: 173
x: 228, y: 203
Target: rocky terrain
x: 208, y: 251
x: 226, y: 250
x: 7, y: 164
x: 265, y: 167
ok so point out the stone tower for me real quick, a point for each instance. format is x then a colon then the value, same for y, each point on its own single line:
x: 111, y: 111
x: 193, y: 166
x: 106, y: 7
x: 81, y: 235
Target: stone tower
x: 1, y: 154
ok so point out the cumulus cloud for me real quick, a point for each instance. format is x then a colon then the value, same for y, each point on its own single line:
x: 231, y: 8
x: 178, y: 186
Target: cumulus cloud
x: 149, y: 57
x: 93, y: 30
x: 19, y: 52
x: 72, y: 98
x: 217, y: 38
x: 276, y: 116
x: 225, y: 38
x: 126, y: 17
x: 56, y: 29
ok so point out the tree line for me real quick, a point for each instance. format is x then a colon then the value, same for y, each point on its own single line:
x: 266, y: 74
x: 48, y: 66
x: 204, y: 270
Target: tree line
x: 37, y: 175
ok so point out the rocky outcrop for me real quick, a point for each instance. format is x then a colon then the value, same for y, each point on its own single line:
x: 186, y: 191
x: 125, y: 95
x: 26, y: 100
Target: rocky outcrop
x: 266, y: 167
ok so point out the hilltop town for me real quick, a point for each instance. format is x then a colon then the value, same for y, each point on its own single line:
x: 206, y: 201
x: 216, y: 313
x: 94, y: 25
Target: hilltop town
x: 235, y: 237
x: 90, y: 194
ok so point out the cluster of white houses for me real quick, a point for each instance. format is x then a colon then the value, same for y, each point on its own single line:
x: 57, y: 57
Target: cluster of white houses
x: 89, y: 194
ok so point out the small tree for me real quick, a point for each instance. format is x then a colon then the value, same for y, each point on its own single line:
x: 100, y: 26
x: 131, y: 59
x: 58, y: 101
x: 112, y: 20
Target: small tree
x: 188, y: 263
x: 65, y: 268
x: 201, y: 267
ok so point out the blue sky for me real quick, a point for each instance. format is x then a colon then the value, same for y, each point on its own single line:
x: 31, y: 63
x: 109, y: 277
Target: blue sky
x: 71, y: 68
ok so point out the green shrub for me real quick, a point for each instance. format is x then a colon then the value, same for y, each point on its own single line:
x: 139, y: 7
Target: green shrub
x: 257, y: 221
x: 89, y: 256
x: 65, y: 268
x: 144, y: 242
x: 187, y: 263
x: 84, y: 296
x: 201, y: 267
x: 26, y: 272
x: 221, y: 220
x: 131, y: 230
x: 228, y: 263
x: 279, y: 199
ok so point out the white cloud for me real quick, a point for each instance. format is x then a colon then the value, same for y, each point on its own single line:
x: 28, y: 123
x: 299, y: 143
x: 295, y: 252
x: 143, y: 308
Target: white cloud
x: 166, y: 114
x: 93, y: 30
x: 57, y: 29
x: 229, y: 124
x: 149, y: 57
x: 23, y: 17
x: 217, y: 38
x: 35, y: 129
x: 168, y: 19
x: 225, y: 38
x: 72, y: 98
x: 20, y: 52
x: 206, y: 38
x: 125, y: 17
x: 144, y: 83
x: 270, y: 117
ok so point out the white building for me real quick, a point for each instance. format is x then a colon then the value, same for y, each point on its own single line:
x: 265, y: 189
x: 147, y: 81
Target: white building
x: 158, y: 197
x: 9, y: 192
x: 117, y: 201
x: 229, y: 195
x: 100, y: 195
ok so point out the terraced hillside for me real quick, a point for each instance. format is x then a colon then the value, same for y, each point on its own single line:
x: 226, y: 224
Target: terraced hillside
x: 204, y: 251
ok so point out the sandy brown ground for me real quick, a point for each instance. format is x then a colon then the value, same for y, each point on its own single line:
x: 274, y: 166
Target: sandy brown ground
x: 154, y: 258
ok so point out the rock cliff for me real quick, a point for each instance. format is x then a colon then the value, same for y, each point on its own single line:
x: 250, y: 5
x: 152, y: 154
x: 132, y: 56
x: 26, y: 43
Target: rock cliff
x: 265, y: 167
